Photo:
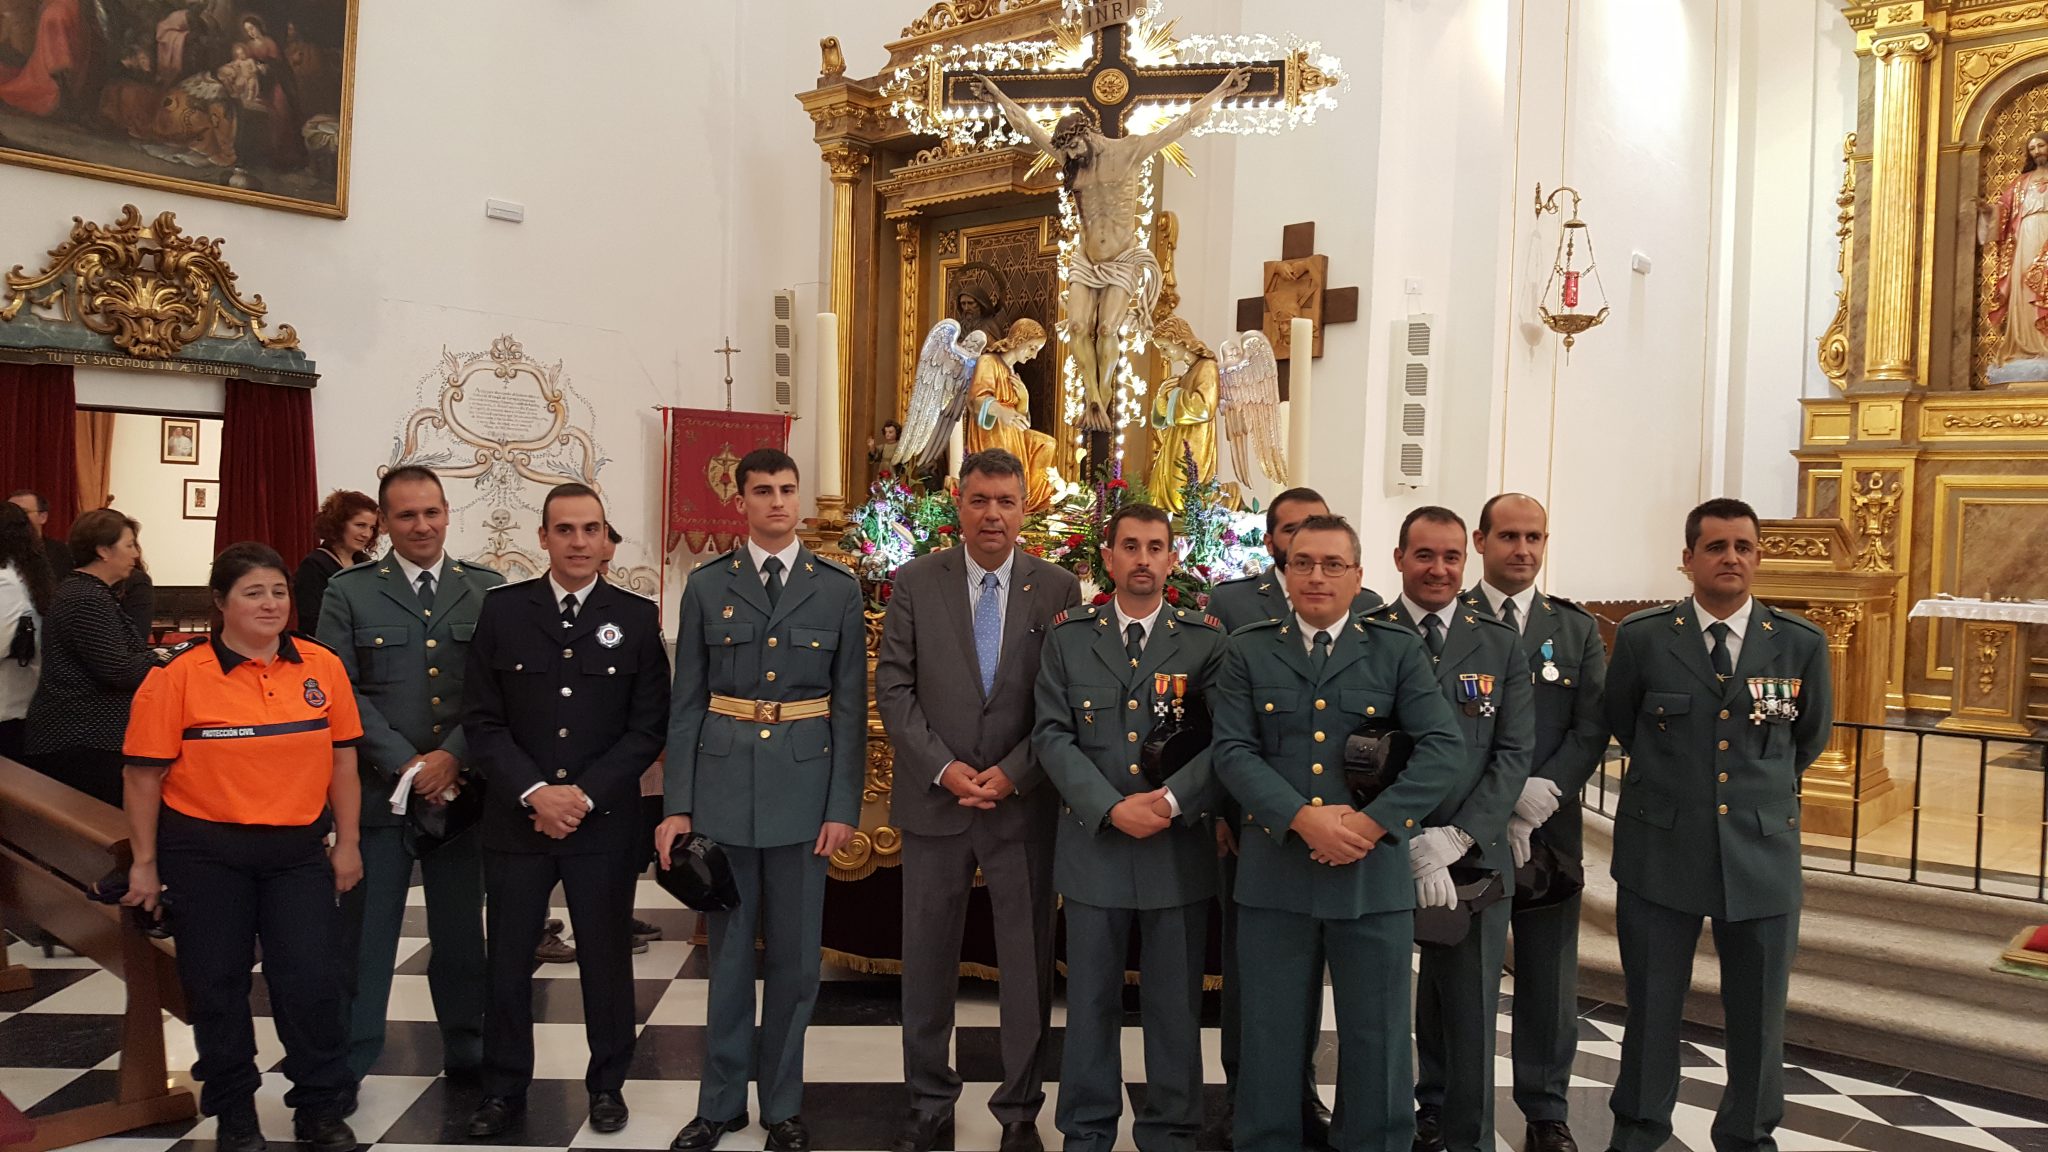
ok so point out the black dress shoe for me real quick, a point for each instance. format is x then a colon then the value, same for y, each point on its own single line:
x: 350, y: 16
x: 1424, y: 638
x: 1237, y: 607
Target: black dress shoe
x: 236, y: 1131
x: 495, y: 1116
x: 1429, y: 1129
x: 326, y: 1132
x: 920, y: 1131
x: 1315, y: 1123
x: 701, y: 1135
x: 608, y: 1112
x: 348, y: 1100
x: 788, y: 1135
x: 646, y: 931
x: 1549, y: 1136
x: 1021, y: 1136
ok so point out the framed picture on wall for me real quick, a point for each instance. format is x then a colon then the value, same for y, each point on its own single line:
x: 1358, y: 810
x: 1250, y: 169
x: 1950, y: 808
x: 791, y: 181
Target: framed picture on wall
x: 180, y: 441
x: 202, y: 499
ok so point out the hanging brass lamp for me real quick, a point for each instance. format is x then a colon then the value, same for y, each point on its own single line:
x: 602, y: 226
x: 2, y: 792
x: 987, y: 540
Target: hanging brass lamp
x: 1561, y: 303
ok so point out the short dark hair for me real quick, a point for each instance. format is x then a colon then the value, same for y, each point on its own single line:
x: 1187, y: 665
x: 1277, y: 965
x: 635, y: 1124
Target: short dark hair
x: 238, y: 560
x: 766, y: 461
x: 992, y: 462
x: 1435, y: 514
x: 408, y: 473
x: 97, y: 529
x: 1333, y: 524
x: 1486, y: 509
x: 564, y: 492
x: 888, y: 424
x: 1719, y: 508
x: 1148, y: 513
x: 1291, y: 496
x: 341, y: 506
x: 42, y: 504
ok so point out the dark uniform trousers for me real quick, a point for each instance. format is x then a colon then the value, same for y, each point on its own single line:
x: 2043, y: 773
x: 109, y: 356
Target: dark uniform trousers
x: 1173, y: 942
x: 1237, y: 603
x: 1546, y: 1007
x: 375, y: 910
x: 231, y: 885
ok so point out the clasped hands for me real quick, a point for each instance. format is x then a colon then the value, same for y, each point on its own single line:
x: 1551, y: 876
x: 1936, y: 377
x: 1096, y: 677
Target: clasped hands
x: 558, y: 809
x: 832, y: 836
x: 1142, y: 815
x: 1336, y: 833
x: 1539, y: 802
x: 977, y: 789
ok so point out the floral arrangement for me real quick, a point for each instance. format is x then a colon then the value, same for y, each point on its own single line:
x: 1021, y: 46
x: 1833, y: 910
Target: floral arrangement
x: 899, y: 523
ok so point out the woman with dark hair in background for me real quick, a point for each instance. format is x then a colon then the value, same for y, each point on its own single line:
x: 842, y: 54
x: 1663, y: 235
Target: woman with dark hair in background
x: 25, y: 588
x: 345, y: 528
x: 93, y: 660
x: 240, y: 758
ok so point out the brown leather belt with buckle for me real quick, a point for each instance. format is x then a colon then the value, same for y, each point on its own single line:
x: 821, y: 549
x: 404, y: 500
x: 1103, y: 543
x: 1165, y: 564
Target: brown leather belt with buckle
x: 770, y: 711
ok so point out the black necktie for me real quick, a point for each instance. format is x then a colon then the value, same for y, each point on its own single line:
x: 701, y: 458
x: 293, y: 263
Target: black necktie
x: 1134, y: 642
x: 1509, y: 615
x: 1433, y: 633
x: 1319, y: 651
x: 773, y: 567
x: 1723, y: 666
x: 568, y: 609
x: 426, y: 591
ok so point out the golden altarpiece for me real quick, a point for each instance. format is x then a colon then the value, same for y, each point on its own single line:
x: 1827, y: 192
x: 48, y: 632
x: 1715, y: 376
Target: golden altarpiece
x: 1926, y: 472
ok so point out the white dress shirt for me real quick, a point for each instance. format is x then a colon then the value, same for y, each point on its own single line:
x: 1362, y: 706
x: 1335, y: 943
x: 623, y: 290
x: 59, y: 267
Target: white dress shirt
x: 1416, y: 612
x: 1145, y: 623
x: 787, y: 556
x: 412, y: 571
x: 1524, y: 600
x: 1737, y: 622
x: 974, y: 574
x: 1308, y: 633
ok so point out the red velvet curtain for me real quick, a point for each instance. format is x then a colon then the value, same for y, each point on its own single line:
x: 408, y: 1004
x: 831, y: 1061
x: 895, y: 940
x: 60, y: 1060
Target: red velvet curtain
x: 267, y: 488
x: 38, y: 410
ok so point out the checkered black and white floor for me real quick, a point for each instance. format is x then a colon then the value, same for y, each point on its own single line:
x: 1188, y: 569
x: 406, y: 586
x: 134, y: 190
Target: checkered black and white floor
x: 59, y: 1046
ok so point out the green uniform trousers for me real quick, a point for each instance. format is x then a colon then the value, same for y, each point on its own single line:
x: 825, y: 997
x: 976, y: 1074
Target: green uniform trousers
x: 782, y: 890
x: 1546, y: 1008
x: 1369, y: 962
x: 1231, y: 1017
x: 1457, y: 1005
x: 1171, y: 943
x: 1657, y: 945
x: 454, y: 880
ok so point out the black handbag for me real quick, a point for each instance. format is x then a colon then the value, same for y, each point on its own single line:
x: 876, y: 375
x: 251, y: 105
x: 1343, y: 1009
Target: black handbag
x: 22, y: 648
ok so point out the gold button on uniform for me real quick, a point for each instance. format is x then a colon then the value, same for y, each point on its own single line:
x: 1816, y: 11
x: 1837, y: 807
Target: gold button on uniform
x: 771, y: 677
x: 519, y: 667
x: 1132, y: 706
x: 1319, y: 737
x: 1321, y: 704
x: 433, y: 643
x: 1316, y: 769
x: 1269, y: 706
x: 1723, y: 809
x: 1134, y: 769
x: 814, y: 643
x: 437, y: 729
x: 1408, y: 823
x: 1371, y: 711
x: 378, y: 642
x: 1724, y: 713
x: 764, y: 733
x: 1131, y: 736
x: 1315, y: 802
x: 436, y: 701
x: 772, y: 641
x: 1723, y: 777
x: 1723, y: 745
x: 437, y: 671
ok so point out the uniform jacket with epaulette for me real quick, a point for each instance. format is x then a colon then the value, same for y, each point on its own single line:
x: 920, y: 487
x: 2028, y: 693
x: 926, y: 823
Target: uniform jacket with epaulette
x: 1708, y: 819
x: 407, y: 664
x: 1095, y: 712
x: 1280, y: 731
x: 764, y: 785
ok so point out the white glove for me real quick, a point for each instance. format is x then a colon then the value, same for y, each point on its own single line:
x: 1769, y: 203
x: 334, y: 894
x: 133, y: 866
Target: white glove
x: 1518, y: 839
x: 1538, y: 802
x: 1433, y: 850
x: 1436, y: 889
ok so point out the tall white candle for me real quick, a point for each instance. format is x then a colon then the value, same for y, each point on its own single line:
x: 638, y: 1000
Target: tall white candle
x: 828, y: 482
x: 956, y: 446
x: 1301, y: 338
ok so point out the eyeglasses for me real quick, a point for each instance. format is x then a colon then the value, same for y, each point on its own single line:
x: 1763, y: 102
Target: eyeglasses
x: 1303, y: 566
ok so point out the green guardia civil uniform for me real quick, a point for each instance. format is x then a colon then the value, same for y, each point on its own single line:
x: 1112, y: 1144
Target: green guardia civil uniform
x: 1246, y: 600
x: 761, y: 783
x: 1281, y: 718
x: 1568, y: 675
x: 406, y: 656
x: 1480, y: 672
x: 1707, y: 828
x: 1097, y: 699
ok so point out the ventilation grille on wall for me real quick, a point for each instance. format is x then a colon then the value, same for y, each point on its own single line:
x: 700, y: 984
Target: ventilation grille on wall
x: 1411, y: 423
x: 785, y: 350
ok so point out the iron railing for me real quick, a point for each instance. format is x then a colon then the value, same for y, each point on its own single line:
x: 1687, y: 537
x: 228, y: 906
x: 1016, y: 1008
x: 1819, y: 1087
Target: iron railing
x: 1992, y: 838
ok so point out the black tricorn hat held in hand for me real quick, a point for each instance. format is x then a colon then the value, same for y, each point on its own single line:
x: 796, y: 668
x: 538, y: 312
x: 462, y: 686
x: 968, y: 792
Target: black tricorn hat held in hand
x: 1374, y: 756
x: 1548, y: 878
x: 699, y: 875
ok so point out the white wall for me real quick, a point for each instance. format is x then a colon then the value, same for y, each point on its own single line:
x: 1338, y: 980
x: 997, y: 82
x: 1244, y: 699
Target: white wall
x: 178, y: 551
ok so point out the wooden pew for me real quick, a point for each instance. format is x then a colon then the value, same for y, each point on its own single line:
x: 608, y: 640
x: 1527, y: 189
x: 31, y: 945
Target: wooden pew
x: 54, y: 841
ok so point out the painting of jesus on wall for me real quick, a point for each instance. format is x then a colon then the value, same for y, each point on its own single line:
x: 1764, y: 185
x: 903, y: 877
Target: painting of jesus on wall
x: 243, y: 100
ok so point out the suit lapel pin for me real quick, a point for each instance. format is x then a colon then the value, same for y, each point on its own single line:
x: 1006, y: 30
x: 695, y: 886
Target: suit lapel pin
x: 458, y: 569
x: 1678, y: 622
x: 1470, y: 619
x: 384, y: 571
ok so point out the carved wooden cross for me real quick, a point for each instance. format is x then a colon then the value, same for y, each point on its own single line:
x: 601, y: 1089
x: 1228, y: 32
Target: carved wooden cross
x: 1296, y: 285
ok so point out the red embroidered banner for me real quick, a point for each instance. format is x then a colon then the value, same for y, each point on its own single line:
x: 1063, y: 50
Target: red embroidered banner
x: 704, y: 446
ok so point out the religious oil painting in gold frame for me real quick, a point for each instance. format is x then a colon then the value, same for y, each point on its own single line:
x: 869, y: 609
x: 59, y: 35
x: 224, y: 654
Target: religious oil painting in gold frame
x: 244, y: 100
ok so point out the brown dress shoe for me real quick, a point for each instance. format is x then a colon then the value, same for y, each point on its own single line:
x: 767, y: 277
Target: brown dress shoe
x: 553, y: 951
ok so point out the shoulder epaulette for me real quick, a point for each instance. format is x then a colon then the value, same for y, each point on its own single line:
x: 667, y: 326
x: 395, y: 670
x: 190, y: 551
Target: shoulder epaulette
x: 835, y: 566
x: 1268, y: 622
x: 510, y: 584
x: 1387, y: 622
x: 1077, y: 612
x: 710, y: 560
x: 1795, y: 618
x: 315, y: 641
x: 177, y: 650
x: 465, y: 567
x: 1652, y: 613
x: 1574, y: 605
x: 1240, y: 579
x: 365, y: 566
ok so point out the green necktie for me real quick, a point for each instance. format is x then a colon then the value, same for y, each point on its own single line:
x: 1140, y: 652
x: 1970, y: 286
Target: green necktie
x: 1510, y: 615
x: 1433, y: 633
x: 1319, y: 652
x: 1134, y: 642
x: 1723, y: 667
x: 773, y: 567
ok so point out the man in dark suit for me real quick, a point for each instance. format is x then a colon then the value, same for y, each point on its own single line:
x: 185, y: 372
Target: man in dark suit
x: 1567, y: 673
x: 565, y: 705
x: 1247, y: 600
x: 954, y: 684
x: 767, y: 749
x: 56, y: 553
x: 402, y: 627
x: 1721, y: 703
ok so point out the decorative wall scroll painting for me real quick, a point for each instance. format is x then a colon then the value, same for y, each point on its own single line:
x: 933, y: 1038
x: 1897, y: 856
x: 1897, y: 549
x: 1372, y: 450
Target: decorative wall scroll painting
x: 180, y: 441
x: 242, y: 100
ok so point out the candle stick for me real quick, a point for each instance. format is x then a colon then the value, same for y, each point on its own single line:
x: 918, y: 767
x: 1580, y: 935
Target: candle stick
x: 956, y: 447
x: 829, y: 481
x: 1301, y: 341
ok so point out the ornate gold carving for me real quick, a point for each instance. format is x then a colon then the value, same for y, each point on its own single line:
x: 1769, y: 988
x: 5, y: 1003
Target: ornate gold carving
x: 1973, y: 67
x: 1834, y: 343
x: 1837, y: 620
x: 1299, y: 77
x: 908, y: 234
x: 947, y: 15
x: 1991, y: 19
x: 1900, y: 13
x: 1915, y: 44
x: 1896, y: 210
x: 1111, y: 86
x: 1996, y: 420
x: 949, y: 243
x: 880, y: 778
x: 1794, y: 547
x: 151, y: 289
x: 1989, y: 642
x: 831, y: 59
x: 1169, y: 280
x: 1874, y: 516
x: 845, y: 163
